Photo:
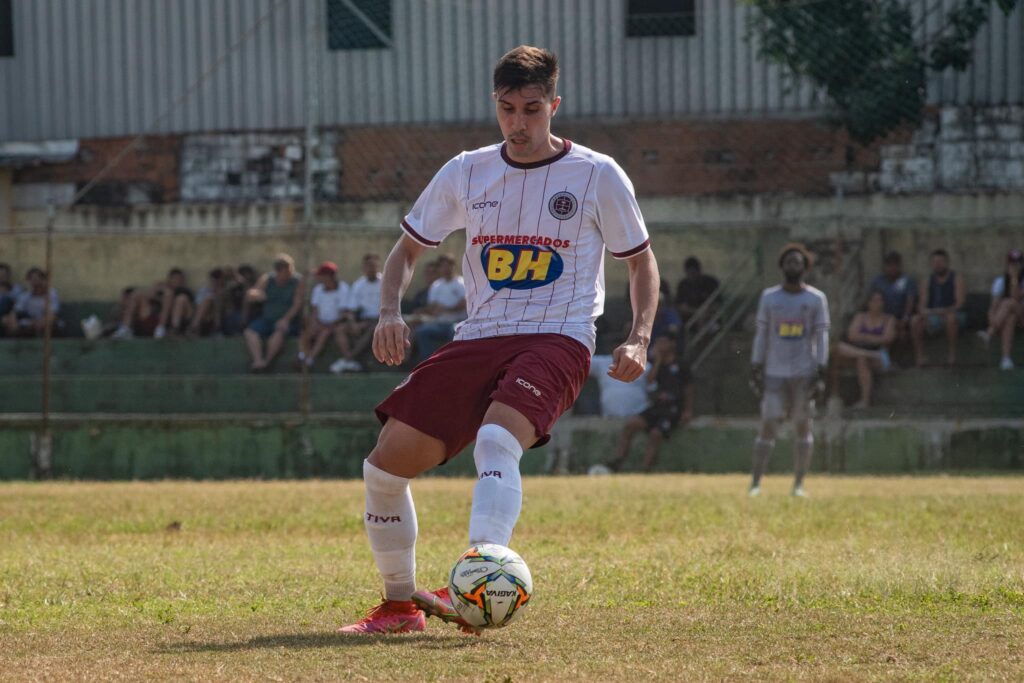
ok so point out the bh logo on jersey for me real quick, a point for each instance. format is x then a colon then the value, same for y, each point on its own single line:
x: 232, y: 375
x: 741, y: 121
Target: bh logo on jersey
x: 791, y: 329
x: 520, y: 266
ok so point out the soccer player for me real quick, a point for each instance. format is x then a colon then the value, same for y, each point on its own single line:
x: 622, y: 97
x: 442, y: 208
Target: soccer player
x: 538, y: 212
x: 789, y: 360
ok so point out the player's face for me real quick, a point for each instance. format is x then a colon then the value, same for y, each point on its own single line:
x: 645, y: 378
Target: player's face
x: 793, y: 265
x: 940, y: 265
x: 524, y: 116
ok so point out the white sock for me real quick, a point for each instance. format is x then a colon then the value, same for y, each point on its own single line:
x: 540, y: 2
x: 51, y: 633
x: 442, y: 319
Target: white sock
x: 390, y: 521
x: 498, y: 494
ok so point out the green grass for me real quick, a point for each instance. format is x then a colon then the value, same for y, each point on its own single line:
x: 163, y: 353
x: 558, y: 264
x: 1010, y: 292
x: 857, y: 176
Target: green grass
x: 664, y: 577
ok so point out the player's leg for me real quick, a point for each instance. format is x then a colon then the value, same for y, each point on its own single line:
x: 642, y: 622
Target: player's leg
x: 319, y: 340
x: 402, y: 452
x: 803, y: 449
x: 772, y: 411
x: 865, y: 379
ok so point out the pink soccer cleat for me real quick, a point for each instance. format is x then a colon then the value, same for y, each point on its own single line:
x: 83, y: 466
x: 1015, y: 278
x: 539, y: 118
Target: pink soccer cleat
x: 438, y: 604
x: 390, y: 616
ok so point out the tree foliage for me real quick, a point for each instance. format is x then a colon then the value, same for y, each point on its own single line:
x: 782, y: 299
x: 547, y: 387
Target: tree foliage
x: 868, y: 56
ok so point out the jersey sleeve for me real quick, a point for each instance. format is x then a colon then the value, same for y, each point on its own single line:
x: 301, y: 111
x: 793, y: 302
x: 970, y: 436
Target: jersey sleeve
x: 618, y: 214
x: 439, y: 211
x: 997, y: 288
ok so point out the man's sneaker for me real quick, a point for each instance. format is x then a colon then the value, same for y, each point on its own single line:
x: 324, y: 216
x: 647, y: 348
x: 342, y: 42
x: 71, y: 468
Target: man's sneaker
x: 754, y: 491
x: 798, y: 492
x: 160, y: 332
x: 1006, y: 363
x: 122, y: 332
x: 390, y: 616
x: 438, y: 604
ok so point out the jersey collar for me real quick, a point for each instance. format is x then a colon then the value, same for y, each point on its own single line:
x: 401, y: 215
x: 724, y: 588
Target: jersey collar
x: 567, y: 145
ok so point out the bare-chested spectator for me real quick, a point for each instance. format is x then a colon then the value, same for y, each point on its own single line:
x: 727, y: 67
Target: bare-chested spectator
x: 280, y: 292
x: 29, y: 317
x: 152, y: 312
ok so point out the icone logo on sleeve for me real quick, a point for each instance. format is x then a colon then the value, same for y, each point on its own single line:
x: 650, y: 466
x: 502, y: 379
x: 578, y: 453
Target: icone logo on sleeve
x: 520, y: 266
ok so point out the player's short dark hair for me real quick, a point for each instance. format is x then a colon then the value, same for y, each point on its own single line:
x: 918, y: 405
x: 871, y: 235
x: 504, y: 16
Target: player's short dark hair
x: 941, y: 252
x: 216, y: 274
x: 370, y: 257
x: 175, y: 271
x: 524, y: 66
x: 691, y: 262
x: 446, y: 258
x: 35, y: 270
x: 893, y: 257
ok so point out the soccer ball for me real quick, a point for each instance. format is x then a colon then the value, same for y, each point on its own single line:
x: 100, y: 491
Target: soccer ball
x: 490, y: 585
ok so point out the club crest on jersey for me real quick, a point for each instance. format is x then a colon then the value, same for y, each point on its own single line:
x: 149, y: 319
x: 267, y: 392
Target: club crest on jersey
x: 563, y: 205
x: 520, y: 266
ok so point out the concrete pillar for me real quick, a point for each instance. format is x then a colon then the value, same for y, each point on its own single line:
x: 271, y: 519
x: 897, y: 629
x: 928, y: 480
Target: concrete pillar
x: 6, y: 199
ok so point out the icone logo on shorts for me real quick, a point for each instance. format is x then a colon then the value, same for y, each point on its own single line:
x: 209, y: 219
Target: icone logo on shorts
x: 526, y: 385
x: 520, y: 266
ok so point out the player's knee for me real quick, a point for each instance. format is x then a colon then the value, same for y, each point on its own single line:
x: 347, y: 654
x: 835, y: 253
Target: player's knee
x: 497, y: 451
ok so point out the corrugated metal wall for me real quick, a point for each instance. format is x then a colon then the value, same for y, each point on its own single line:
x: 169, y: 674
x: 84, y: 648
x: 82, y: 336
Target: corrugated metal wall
x: 89, y: 68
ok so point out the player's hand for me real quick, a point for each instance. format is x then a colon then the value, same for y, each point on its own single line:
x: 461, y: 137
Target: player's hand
x: 628, y: 361
x: 390, y: 339
x: 757, y: 380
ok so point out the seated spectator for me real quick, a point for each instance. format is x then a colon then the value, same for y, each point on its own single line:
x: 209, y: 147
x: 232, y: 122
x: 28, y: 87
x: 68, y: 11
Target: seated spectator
x: 868, y: 337
x: 693, y: 290
x: 280, y: 292
x: 666, y: 320
x: 9, y: 290
x: 240, y: 311
x: 365, y: 307
x: 899, y: 292
x: 671, y: 403
x: 210, y: 305
x: 330, y: 301
x: 29, y: 317
x: 446, y: 305
x: 941, y: 308
x: 418, y: 304
x: 150, y: 311
x: 1006, y: 312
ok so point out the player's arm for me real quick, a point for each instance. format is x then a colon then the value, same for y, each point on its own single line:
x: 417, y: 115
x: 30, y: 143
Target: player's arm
x: 960, y: 293
x: 391, y: 336
x: 760, y: 349
x: 629, y: 359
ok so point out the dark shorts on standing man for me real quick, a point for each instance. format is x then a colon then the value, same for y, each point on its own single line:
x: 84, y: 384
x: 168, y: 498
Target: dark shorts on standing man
x: 664, y: 419
x: 447, y: 395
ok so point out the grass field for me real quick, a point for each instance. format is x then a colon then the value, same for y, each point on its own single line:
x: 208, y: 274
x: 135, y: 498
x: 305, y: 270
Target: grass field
x: 666, y: 577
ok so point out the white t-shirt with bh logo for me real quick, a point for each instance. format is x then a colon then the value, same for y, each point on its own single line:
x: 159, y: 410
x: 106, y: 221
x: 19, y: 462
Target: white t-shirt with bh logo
x: 535, y: 237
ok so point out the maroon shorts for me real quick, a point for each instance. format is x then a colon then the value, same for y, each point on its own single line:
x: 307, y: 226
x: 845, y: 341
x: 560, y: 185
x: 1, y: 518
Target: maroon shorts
x: 447, y: 395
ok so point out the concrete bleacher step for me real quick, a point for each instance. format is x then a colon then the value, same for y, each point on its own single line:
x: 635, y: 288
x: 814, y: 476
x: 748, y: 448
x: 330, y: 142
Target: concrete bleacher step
x: 158, y: 394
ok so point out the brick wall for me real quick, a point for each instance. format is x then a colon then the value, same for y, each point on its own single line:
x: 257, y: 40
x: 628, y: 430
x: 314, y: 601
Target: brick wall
x: 955, y: 150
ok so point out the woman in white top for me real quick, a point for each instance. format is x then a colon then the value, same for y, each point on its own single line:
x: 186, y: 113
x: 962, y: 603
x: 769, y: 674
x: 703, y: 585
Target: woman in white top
x: 1006, y: 312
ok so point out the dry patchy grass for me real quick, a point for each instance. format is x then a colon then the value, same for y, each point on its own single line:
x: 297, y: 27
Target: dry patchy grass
x: 666, y: 577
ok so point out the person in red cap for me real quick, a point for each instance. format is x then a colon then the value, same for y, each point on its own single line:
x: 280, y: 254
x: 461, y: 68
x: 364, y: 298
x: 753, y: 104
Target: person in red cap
x: 1006, y: 313
x: 330, y: 300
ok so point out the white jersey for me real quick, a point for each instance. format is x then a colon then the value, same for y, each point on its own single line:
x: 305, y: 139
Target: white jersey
x: 364, y: 298
x: 792, y: 332
x: 330, y: 303
x: 535, y: 237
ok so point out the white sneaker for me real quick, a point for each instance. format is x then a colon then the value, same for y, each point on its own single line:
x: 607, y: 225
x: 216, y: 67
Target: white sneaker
x: 160, y: 332
x: 122, y: 332
x: 338, y: 366
x: 354, y: 365
x: 1006, y: 364
x: 754, y: 491
x: 798, y: 492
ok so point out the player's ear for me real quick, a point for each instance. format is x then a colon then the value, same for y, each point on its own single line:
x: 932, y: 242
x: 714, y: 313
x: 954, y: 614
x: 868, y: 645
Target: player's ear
x: 554, y: 104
